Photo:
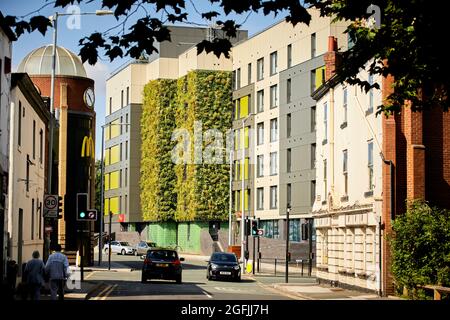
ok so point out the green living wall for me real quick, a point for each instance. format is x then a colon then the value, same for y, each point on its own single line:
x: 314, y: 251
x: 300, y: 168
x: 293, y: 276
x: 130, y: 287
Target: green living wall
x: 204, y: 97
x: 157, y: 182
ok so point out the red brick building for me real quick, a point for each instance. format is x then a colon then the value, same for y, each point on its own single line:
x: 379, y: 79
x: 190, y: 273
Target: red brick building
x: 418, y: 144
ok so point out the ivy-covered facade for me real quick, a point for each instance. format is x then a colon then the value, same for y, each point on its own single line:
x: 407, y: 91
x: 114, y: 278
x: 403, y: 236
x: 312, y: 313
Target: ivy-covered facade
x: 187, y: 193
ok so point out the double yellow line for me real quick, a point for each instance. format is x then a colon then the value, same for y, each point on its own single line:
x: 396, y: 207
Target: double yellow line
x: 105, y: 292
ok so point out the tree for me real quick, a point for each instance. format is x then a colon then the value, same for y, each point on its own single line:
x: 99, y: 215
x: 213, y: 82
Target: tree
x: 408, y: 37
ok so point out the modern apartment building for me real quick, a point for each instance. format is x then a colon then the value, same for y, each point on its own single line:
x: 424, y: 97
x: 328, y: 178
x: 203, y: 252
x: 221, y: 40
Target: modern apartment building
x: 275, y: 73
x: 124, y: 92
x: 349, y: 183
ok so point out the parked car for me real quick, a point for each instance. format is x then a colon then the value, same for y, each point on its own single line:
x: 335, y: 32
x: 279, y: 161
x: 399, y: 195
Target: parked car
x: 162, y: 264
x: 143, y: 246
x: 119, y: 247
x: 223, y: 265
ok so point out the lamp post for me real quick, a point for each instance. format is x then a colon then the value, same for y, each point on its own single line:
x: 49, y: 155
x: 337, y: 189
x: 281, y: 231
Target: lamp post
x: 102, y: 204
x: 244, y: 236
x: 230, y: 220
x: 54, y: 20
x: 288, y: 210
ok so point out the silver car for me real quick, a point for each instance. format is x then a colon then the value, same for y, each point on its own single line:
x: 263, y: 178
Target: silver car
x: 120, y: 247
x: 143, y: 246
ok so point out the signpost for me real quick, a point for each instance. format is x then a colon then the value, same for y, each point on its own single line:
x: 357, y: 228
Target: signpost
x: 50, y: 206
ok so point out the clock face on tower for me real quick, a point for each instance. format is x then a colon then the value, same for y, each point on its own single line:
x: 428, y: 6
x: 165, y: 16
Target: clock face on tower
x: 89, y: 97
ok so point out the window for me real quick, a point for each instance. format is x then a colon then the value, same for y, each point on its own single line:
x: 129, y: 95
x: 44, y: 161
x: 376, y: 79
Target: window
x: 260, y: 100
x: 325, y: 187
x: 273, y: 63
x: 370, y: 163
x: 313, y: 156
x: 32, y: 219
x: 344, y: 170
x: 126, y: 150
x: 128, y: 95
x: 273, y: 197
x: 126, y: 176
x: 27, y: 182
x: 260, y: 133
x: 41, y: 145
x: 260, y: 199
x: 34, y: 139
x: 313, y: 45
x: 39, y: 205
x: 289, y: 56
x: 126, y: 204
x: 121, y: 98
x: 288, y: 125
x: 237, y: 170
x: 121, y: 127
x: 237, y: 109
x: 238, y: 78
x: 370, y: 109
x: 345, y: 104
x: 260, y: 166
x: 289, y: 194
x: 313, y: 119
x: 288, y: 160
x: 19, y: 128
x: 313, y: 192
x: 273, y: 163
x: 126, y: 121
x: 273, y: 130
x: 273, y: 96
x: 260, y: 69
x: 325, y: 122
x: 313, y: 81
x: 249, y: 73
x: 288, y: 91
x: 110, y: 105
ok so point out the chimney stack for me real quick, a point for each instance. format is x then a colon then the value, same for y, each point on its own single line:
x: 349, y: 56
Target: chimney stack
x: 332, y: 58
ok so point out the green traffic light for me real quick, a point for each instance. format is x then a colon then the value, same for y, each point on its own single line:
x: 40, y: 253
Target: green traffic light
x: 82, y: 214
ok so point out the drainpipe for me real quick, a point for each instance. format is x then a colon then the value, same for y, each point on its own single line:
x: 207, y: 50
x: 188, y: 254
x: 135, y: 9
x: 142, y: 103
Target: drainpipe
x: 332, y: 144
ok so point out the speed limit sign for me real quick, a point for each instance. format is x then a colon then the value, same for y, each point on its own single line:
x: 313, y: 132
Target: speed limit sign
x: 50, y: 206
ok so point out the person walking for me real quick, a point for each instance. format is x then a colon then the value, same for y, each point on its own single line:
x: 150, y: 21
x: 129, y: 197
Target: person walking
x: 57, y: 268
x: 34, y: 275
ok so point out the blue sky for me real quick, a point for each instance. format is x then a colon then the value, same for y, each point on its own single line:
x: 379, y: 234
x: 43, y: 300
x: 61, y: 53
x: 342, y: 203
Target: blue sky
x: 69, y: 37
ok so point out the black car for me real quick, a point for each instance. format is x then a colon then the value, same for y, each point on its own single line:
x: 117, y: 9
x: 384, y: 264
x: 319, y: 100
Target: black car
x: 162, y: 264
x: 223, y: 265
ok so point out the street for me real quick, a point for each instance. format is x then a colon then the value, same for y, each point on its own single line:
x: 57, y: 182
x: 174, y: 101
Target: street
x: 125, y: 284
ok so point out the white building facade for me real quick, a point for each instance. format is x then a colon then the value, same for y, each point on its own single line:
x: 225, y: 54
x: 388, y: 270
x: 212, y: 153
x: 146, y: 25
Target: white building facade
x: 28, y: 124
x: 348, y: 203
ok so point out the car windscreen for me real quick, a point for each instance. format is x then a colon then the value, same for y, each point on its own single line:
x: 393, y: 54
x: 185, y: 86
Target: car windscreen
x: 223, y: 257
x: 124, y: 244
x: 166, y: 255
x: 151, y: 244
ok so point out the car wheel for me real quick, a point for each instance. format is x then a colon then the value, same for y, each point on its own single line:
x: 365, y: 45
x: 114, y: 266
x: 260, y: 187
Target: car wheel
x: 123, y: 252
x: 179, y: 279
x: 238, y: 279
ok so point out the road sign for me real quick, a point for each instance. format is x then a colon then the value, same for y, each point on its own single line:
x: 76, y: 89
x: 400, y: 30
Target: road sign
x: 50, y: 206
x: 260, y: 232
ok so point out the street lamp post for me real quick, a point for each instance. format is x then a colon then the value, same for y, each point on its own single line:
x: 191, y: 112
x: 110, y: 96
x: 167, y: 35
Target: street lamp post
x: 230, y: 220
x: 102, y: 204
x: 288, y: 210
x: 54, y: 20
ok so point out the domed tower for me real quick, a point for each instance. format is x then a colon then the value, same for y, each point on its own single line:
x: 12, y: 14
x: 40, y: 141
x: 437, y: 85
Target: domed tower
x: 73, y: 149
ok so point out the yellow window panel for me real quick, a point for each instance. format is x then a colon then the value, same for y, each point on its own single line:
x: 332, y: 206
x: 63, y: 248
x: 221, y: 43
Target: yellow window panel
x: 115, y: 154
x: 236, y: 139
x: 107, y: 181
x: 236, y: 110
x: 244, y: 106
x: 246, y: 168
x: 107, y: 157
x: 320, y: 76
x: 246, y: 199
x: 107, y: 133
x: 106, y: 207
x: 114, y: 180
x: 114, y: 205
x: 115, y: 128
x: 246, y: 138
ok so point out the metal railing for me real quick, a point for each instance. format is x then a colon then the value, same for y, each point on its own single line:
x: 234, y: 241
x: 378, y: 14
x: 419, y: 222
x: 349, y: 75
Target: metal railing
x: 275, y: 266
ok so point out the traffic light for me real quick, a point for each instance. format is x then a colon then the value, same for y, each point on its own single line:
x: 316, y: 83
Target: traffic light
x: 82, y: 206
x: 247, y: 227
x: 60, y: 206
x: 254, y: 227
